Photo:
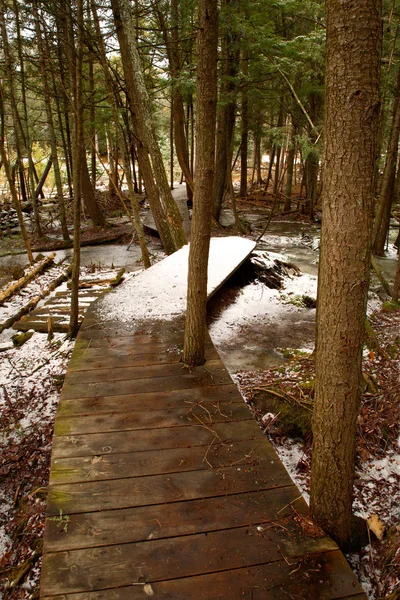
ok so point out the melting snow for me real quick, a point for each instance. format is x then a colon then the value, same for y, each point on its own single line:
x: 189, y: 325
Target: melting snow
x: 165, y: 285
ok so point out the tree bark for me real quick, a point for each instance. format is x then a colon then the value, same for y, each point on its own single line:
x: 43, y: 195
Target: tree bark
x: 195, y: 326
x: 352, y: 108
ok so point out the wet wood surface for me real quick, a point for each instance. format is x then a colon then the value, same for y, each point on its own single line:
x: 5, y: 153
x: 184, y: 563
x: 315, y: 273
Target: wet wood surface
x: 163, y: 485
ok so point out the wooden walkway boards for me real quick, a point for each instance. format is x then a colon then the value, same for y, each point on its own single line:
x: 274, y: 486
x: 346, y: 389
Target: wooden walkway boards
x: 162, y: 485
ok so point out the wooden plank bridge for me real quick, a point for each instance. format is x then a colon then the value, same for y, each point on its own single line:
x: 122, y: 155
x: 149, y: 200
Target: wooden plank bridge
x: 161, y: 482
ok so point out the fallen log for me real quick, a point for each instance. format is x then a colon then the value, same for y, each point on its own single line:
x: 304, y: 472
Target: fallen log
x: 110, y: 281
x: 35, y: 300
x: 23, y: 281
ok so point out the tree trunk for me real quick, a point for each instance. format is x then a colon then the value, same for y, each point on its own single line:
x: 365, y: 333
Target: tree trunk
x: 382, y: 218
x: 50, y: 122
x: 195, y: 327
x: 4, y: 160
x: 88, y: 196
x: 351, y: 113
x: 226, y: 117
x: 396, y: 284
x: 244, y: 142
x: 141, y: 111
x: 278, y: 151
x: 80, y: 171
x: 17, y: 124
x: 178, y: 111
x: 290, y: 167
x: 122, y: 140
x: 31, y: 166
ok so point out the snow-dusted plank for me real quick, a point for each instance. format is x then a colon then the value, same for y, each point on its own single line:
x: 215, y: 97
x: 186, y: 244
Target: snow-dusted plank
x: 160, y: 292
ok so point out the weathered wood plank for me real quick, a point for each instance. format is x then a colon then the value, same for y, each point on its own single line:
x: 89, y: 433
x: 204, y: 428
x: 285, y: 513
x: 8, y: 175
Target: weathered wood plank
x: 97, y: 351
x: 147, y: 371
x: 332, y: 580
x: 213, y: 395
x: 176, y: 460
x: 91, y: 361
x: 180, y: 518
x: 162, y: 489
x: 152, y: 439
x: 173, y: 417
x: 158, y: 560
x: 158, y: 384
x: 170, y: 487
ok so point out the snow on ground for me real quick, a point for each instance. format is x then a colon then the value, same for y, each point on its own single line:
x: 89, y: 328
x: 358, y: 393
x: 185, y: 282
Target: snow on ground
x: 166, y: 294
x: 30, y: 370
x: 34, y: 288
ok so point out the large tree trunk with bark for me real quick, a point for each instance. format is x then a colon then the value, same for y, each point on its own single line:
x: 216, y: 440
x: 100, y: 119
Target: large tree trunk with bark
x: 195, y: 327
x: 352, y: 108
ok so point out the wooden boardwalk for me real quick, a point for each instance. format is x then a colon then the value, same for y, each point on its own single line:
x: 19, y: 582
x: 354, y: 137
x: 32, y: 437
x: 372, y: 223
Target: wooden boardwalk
x: 163, y: 485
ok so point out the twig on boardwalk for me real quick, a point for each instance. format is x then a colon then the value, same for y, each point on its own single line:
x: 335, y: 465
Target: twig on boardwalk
x: 205, y: 456
x: 220, y: 412
x: 194, y: 405
x: 290, y: 504
x: 210, y: 430
x: 285, y: 559
x: 244, y: 458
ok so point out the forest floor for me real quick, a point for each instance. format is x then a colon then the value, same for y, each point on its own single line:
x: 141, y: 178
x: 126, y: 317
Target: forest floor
x: 278, y: 387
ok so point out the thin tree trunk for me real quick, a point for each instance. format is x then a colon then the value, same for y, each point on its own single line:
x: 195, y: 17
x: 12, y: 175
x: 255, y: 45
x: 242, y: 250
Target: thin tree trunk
x: 6, y: 164
x: 31, y: 166
x: 396, y: 284
x: 290, y: 167
x: 140, y: 107
x: 351, y: 113
x: 382, y: 219
x: 122, y: 142
x: 172, y: 45
x: 195, y: 326
x: 226, y: 117
x: 18, y: 128
x: 244, y: 143
x: 270, y: 166
x: 50, y: 122
x: 79, y: 163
